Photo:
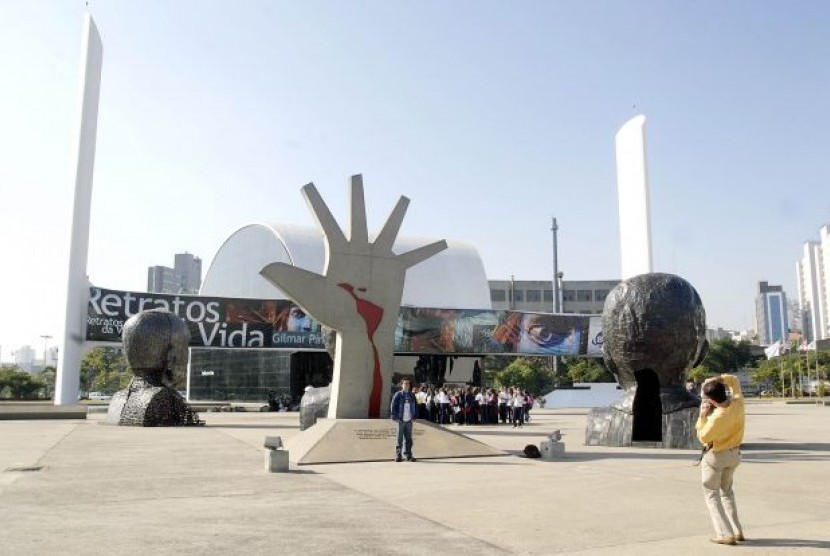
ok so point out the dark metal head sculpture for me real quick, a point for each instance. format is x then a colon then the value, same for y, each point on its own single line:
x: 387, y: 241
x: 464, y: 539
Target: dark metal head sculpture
x: 655, y: 325
x: 155, y: 344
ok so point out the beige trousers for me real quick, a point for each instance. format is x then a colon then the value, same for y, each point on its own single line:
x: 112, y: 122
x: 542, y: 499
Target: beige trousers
x: 718, y: 469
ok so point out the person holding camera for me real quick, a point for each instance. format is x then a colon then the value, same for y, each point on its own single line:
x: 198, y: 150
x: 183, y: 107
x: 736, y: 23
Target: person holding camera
x: 720, y: 428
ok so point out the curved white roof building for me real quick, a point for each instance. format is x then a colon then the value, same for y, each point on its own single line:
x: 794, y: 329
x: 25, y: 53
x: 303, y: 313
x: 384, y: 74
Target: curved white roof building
x: 452, y: 279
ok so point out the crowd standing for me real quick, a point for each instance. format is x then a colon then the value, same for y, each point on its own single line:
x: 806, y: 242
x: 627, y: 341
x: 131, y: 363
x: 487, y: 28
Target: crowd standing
x: 473, y: 405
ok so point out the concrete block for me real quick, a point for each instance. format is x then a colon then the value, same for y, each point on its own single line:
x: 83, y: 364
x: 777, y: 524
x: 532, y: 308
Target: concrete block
x: 276, y: 461
x: 552, y: 450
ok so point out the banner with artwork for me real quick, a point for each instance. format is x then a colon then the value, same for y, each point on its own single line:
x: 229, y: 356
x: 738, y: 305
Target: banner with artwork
x: 213, y: 321
x: 463, y: 331
x: 281, y: 324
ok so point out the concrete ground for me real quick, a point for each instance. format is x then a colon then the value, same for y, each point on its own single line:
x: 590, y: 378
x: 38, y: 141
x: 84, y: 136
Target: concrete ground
x: 81, y: 487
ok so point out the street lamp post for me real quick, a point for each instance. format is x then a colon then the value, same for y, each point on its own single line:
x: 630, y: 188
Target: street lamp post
x: 46, y: 339
x: 553, y: 229
x: 556, y: 274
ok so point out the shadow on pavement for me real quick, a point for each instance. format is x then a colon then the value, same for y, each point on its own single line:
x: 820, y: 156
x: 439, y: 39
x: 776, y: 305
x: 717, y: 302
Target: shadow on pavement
x: 797, y: 446
x: 461, y: 461
x: 505, y: 432
x: 780, y: 452
x: 594, y: 456
x: 248, y: 426
x: 787, y: 543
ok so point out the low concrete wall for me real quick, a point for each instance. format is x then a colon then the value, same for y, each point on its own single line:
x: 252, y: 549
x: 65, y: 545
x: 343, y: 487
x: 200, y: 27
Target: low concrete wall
x: 584, y: 395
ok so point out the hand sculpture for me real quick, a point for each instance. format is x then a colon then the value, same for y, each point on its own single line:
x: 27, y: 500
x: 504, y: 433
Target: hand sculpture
x: 359, y: 295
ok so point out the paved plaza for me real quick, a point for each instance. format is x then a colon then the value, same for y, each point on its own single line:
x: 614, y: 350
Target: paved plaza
x: 82, y: 487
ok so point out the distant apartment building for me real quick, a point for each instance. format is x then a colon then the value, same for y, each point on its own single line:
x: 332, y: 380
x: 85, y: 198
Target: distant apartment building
x: 50, y: 358
x: 715, y: 334
x: 24, y: 358
x: 813, y: 280
x: 577, y: 296
x: 771, y: 314
x: 190, y: 270
x: 794, y: 316
x: 185, y: 276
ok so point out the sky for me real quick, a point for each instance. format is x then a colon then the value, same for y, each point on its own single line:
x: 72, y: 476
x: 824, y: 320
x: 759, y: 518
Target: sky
x: 491, y: 116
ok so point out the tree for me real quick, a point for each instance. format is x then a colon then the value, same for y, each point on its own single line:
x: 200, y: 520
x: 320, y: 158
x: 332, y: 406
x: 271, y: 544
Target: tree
x: 19, y: 384
x: 700, y: 374
x: 104, y: 369
x: 587, y: 369
x: 48, y: 375
x: 493, y: 364
x: 529, y: 374
x: 728, y: 356
x: 768, y: 375
x: 790, y: 367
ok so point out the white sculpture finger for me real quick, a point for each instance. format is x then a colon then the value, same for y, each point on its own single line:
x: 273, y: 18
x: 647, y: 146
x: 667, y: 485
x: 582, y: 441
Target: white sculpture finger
x: 386, y: 237
x: 411, y: 258
x: 359, y: 234
x: 335, y: 238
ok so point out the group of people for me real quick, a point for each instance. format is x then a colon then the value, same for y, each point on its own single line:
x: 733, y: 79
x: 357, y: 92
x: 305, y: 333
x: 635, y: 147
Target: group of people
x: 463, y: 406
x: 473, y: 406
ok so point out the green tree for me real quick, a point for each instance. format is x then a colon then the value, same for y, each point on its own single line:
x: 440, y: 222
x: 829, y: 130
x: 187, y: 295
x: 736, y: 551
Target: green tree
x: 18, y: 384
x: 700, y: 373
x: 769, y: 373
x: 728, y: 356
x: 48, y: 375
x: 493, y: 364
x: 104, y: 369
x: 531, y: 374
x: 586, y: 369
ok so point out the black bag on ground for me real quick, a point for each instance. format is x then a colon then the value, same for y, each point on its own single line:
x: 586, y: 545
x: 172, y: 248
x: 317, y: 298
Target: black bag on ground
x: 531, y: 451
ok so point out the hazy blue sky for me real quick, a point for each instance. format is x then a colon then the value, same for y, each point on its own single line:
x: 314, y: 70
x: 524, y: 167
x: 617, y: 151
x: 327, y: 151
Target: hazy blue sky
x: 491, y: 116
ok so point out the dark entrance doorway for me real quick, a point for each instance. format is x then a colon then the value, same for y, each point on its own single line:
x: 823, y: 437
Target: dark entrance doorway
x: 648, y: 412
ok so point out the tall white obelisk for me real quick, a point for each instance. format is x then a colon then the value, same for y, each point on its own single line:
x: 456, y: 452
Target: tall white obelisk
x: 77, y: 285
x: 632, y: 189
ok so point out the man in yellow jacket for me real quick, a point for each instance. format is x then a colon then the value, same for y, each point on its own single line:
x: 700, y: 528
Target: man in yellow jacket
x: 720, y: 426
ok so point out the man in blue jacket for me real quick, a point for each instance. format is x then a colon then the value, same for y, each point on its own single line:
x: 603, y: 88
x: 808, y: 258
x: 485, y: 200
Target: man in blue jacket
x: 404, y: 410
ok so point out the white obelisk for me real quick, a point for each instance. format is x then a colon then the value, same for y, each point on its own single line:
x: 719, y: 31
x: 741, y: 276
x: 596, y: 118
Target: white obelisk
x: 77, y: 285
x: 632, y: 189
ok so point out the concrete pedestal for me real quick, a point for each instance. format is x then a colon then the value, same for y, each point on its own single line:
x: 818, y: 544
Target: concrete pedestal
x: 354, y: 440
x: 608, y: 426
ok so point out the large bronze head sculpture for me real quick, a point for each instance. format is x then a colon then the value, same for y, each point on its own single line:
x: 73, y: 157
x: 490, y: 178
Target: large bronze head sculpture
x: 654, y: 322
x: 155, y: 344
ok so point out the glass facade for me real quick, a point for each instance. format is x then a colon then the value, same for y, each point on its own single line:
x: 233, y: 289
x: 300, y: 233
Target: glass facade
x: 249, y: 375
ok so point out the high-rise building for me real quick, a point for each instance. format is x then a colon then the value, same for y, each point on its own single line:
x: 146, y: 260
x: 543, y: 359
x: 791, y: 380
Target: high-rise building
x: 162, y: 279
x: 813, y: 279
x: 771, y: 314
x: 794, y: 316
x: 24, y: 358
x: 185, y: 277
x: 189, y: 269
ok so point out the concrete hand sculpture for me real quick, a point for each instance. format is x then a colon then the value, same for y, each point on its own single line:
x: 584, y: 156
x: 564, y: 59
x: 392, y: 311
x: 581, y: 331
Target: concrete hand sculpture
x: 359, y: 295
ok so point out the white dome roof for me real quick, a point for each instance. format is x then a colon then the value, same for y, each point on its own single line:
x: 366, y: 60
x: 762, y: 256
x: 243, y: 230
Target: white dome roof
x: 452, y: 279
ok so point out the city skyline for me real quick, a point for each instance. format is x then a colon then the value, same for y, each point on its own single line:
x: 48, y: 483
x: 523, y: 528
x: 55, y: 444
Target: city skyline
x: 491, y: 119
